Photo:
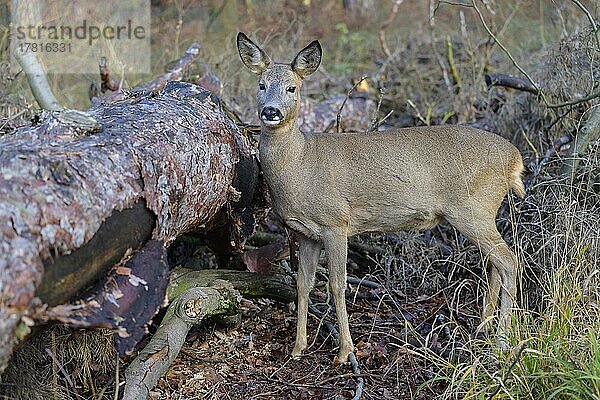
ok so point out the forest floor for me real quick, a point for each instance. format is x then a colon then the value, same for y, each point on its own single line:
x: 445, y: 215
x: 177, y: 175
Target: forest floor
x: 393, y: 324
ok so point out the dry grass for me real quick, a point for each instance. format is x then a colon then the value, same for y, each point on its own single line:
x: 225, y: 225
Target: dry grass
x: 62, y: 364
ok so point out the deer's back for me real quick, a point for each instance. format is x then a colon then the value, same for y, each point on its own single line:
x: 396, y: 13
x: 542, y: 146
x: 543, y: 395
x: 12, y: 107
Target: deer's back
x: 408, y: 178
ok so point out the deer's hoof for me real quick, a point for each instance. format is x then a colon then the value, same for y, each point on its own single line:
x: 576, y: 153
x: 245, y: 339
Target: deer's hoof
x: 297, y: 352
x: 342, y: 357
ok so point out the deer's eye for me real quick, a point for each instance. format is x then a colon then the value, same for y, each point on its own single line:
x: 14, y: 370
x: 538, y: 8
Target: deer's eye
x: 261, y: 86
x: 291, y: 89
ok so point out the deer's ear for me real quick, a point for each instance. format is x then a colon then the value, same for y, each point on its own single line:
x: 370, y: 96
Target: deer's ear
x: 252, y: 56
x: 308, y: 59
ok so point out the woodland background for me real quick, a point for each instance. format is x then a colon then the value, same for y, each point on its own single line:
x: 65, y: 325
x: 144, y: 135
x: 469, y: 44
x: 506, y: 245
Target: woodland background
x: 415, y: 330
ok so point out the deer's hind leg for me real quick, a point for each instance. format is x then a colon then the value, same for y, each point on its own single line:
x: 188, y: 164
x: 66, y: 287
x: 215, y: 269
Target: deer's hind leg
x: 503, y: 277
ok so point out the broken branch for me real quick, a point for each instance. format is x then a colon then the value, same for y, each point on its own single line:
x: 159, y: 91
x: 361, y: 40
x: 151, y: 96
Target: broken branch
x: 338, y: 119
x: 510, y: 81
x: 188, y: 309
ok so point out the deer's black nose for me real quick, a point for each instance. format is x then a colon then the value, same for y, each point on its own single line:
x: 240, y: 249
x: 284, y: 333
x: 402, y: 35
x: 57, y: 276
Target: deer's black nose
x: 271, y: 114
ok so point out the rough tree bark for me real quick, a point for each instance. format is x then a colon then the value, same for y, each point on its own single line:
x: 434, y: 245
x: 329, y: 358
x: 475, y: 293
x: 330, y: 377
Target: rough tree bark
x: 162, y: 164
x: 586, y: 135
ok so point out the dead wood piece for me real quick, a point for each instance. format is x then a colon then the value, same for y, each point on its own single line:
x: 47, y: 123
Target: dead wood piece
x: 130, y: 298
x: 190, y: 308
x: 510, y: 81
x: 248, y: 284
x: 106, y: 83
x: 263, y: 259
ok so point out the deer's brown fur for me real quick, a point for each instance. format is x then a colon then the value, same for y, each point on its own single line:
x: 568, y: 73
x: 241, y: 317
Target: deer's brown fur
x: 327, y: 187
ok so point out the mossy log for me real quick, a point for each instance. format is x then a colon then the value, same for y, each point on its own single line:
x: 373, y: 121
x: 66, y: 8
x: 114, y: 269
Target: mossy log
x: 196, y: 294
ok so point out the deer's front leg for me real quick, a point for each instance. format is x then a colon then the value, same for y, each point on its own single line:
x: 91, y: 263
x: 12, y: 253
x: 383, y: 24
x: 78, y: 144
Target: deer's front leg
x: 336, y: 249
x: 308, y: 258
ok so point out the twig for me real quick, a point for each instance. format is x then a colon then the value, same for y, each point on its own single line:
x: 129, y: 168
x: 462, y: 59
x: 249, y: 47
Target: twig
x: 589, y: 97
x: 60, y: 367
x: 510, y: 81
x: 339, y: 114
x: 386, y: 23
x: 37, y: 81
x: 508, y: 370
x: 382, y: 120
x: 341, y: 376
x: 323, y: 320
x: 561, y: 141
x: 116, y: 396
x: 453, y: 70
x: 297, y: 385
x: 361, y: 381
x: 373, y: 123
x: 418, y: 115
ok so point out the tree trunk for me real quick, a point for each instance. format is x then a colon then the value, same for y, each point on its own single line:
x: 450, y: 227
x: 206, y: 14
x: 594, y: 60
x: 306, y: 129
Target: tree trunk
x: 74, y: 203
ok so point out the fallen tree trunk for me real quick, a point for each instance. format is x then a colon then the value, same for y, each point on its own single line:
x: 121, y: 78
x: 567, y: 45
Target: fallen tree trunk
x: 73, y: 203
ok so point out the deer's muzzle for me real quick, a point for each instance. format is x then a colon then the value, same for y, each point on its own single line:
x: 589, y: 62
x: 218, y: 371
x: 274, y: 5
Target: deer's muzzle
x: 271, y: 116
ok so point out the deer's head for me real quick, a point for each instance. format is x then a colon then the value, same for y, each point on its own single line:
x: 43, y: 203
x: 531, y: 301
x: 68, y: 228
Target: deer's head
x: 279, y: 84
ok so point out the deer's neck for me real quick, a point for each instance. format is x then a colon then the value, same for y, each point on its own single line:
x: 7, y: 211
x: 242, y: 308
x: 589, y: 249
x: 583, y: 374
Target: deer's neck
x: 281, y: 153
x: 280, y: 148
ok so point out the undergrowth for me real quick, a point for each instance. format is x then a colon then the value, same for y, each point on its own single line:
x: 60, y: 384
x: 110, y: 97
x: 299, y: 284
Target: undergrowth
x: 553, y: 350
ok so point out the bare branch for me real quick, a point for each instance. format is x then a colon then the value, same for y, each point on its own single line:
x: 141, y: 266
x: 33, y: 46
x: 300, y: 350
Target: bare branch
x: 339, y: 114
x: 37, y: 81
x: 361, y: 381
x: 373, y: 124
x: 510, y: 81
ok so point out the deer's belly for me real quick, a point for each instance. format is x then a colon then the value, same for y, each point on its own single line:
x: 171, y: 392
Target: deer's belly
x: 392, y: 219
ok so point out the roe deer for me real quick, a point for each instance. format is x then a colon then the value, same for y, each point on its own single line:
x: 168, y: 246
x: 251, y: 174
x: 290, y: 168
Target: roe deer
x: 328, y: 187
